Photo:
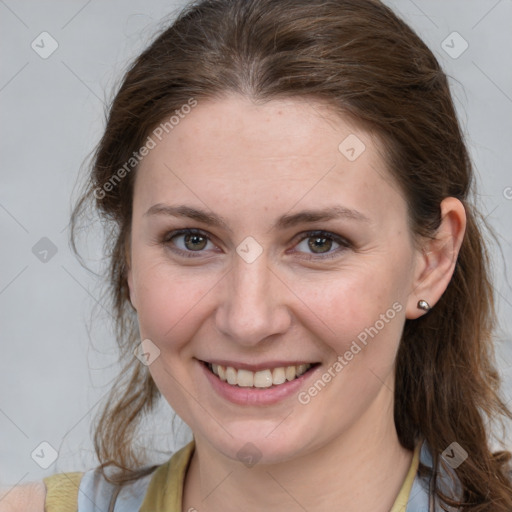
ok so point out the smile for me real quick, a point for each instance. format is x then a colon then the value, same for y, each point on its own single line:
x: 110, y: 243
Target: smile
x: 257, y: 384
x: 260, y: 379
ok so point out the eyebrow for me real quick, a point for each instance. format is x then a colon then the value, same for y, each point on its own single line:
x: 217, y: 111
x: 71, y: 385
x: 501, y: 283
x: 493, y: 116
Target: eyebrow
x: 283, y: 222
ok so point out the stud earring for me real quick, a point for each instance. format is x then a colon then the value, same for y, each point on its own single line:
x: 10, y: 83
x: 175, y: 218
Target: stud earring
x: 424, y: 305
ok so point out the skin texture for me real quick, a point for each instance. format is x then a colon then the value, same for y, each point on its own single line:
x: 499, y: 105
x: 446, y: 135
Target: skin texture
x: 251, y: 164
x: 22, y: 498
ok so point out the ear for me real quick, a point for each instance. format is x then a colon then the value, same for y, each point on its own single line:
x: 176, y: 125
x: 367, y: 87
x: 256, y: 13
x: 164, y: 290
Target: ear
x: 437, y: 258
x: 129, y: 273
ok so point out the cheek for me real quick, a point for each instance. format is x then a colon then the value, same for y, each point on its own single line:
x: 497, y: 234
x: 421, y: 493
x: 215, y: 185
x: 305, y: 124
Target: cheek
x: 169, y: 303
x: 356, y: 295
x: 363, y: 305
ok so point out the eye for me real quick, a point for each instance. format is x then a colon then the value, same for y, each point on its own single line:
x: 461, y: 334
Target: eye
x: 320, y: 243
x: 190, y: 241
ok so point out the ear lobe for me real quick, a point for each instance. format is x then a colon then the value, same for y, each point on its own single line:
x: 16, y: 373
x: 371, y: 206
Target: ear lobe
x: 437, y: 260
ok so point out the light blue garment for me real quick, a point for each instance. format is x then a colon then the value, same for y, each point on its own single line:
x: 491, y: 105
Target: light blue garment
x: 420, y: 499
x: 95, y: 492
x: 419, y: 496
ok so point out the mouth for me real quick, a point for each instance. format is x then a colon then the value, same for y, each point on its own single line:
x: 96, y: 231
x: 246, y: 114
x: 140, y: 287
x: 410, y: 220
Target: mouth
x: 263, y: 378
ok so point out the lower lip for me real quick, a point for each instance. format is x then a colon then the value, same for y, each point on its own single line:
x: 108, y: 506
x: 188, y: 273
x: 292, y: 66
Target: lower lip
x: 256, y: 396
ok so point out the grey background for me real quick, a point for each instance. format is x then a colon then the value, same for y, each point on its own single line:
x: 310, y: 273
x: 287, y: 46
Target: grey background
x: 56, y: 366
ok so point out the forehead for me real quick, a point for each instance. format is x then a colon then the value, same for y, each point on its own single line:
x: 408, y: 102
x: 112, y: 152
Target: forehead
x: 285, y: 128
x: 279, y: 150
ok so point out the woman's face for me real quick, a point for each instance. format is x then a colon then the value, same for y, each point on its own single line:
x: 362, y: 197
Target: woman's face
x: 258, y: 287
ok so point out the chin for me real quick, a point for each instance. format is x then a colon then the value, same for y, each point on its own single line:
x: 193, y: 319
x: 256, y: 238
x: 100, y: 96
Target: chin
x: 256, y: 442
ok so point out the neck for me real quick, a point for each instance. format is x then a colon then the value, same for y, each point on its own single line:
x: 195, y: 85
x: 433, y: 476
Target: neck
x: 366, y: 457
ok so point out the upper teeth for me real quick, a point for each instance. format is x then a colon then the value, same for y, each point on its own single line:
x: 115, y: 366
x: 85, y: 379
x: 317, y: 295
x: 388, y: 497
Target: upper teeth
x: 260, y: 379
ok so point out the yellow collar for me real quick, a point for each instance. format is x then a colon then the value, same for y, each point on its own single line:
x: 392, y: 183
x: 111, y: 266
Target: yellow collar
x: 165, y: 490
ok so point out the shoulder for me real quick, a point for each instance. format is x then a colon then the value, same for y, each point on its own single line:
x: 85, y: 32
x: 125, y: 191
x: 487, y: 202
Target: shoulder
x: 21, y: 498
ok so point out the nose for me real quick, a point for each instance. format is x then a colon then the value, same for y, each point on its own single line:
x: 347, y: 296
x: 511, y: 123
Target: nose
x: 252, y: 304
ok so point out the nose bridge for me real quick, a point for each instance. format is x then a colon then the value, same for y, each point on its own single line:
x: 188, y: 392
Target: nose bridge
x: 251, y: 308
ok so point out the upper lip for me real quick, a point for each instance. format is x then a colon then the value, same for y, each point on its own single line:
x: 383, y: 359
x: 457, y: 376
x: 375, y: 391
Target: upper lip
x: 254, y: 367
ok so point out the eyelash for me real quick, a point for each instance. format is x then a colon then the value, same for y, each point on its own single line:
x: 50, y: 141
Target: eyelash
x: 344, y: 244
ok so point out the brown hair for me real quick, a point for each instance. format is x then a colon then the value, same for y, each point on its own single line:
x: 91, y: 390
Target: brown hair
x: 364, y: 62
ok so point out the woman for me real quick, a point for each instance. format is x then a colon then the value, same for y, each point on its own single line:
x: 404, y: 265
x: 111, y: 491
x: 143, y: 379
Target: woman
x: 292, y: 238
